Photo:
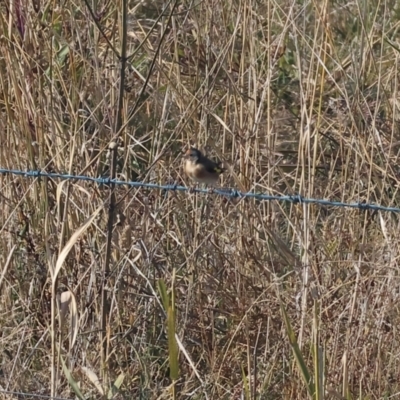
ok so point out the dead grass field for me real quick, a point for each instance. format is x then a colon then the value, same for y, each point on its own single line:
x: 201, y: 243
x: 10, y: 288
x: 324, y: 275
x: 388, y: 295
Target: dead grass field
x: 118, y: 293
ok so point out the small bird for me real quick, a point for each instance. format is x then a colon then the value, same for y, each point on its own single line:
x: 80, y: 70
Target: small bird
x: 200, y: 168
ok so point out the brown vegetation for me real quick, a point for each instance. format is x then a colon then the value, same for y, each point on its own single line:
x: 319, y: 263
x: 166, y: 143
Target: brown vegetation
x: 293, y: 97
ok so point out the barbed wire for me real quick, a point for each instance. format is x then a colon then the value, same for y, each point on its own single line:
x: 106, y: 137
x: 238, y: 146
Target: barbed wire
x: 233, y: 193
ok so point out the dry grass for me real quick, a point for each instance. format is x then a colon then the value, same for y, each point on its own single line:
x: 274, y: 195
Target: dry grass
x: 294, y: 97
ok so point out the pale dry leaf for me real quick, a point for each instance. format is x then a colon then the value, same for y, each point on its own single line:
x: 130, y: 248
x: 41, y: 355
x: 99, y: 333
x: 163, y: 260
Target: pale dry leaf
x: 71, y: 242
x: 384, y: 228
x: 65, y: 300
x: 74, y: 319
x: 92, y: 376
x: 221, y: 122
x: 68, y: 302
x: 7, y: 264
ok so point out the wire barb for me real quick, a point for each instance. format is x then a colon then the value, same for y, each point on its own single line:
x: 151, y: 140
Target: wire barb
x: 296, y: 199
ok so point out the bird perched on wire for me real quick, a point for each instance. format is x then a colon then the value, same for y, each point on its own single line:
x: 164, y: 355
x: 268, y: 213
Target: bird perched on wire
x: 200, y: 168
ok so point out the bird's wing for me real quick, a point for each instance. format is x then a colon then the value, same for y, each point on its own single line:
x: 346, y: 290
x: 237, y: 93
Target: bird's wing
x: 211, y: 166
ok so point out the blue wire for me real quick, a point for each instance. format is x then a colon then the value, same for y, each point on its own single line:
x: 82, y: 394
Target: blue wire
x: 296, y: 199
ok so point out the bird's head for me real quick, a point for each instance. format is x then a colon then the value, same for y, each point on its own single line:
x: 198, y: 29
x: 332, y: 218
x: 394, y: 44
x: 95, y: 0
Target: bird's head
x: 193, y: 154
